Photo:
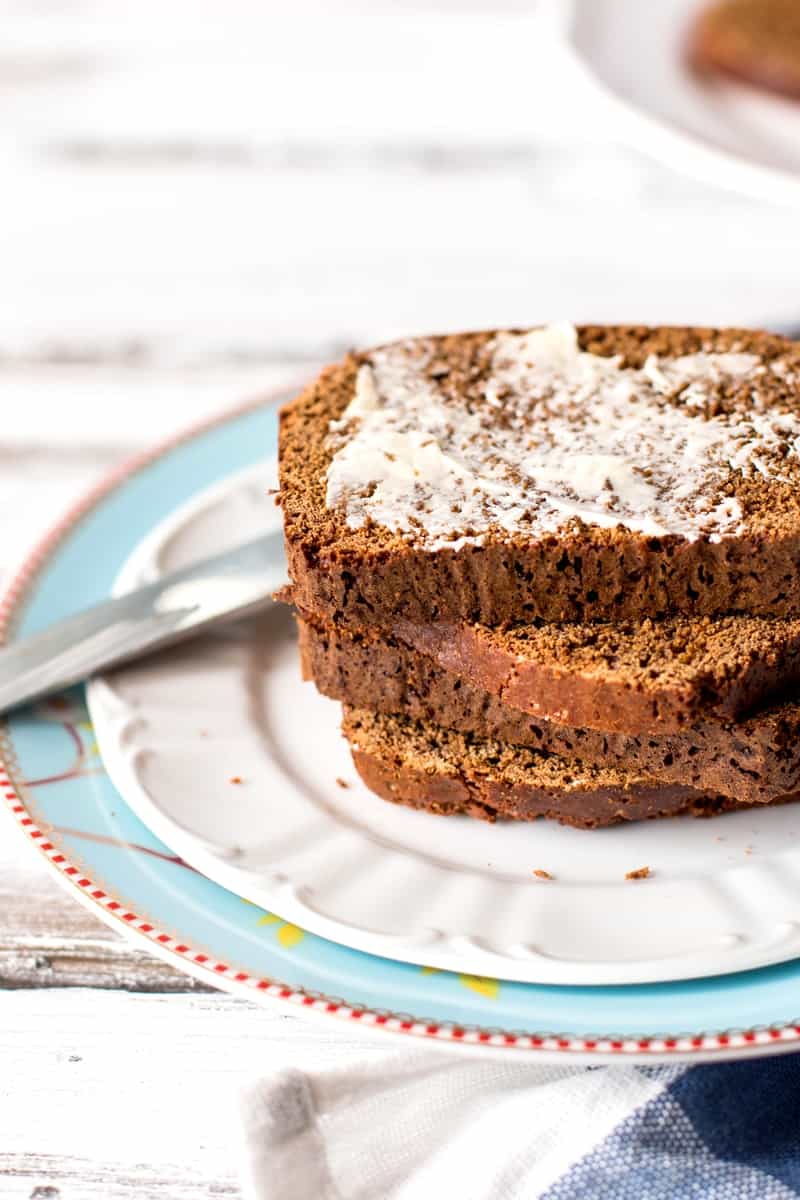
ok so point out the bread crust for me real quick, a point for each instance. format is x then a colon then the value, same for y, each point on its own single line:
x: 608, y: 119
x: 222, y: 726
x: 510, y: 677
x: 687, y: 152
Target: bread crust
x: 753, y: 761
x: 635, y: 678
x: 417, y: 765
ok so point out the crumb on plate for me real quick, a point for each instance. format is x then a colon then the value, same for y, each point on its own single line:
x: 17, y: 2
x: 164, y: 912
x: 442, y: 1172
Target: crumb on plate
x: 639, y: 873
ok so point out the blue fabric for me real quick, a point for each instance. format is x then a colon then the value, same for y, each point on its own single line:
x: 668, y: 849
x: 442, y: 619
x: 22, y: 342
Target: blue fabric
x: 718, y: 1132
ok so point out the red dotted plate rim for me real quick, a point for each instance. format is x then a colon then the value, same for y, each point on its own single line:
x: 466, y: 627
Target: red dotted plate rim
x: 219, y: 974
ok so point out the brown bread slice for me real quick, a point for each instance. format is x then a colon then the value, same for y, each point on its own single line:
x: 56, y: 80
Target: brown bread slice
x: 754, y: 762
x: 421, y: 765
x: 484, y: 571
x: 631, y: 677
x: 754, y: 41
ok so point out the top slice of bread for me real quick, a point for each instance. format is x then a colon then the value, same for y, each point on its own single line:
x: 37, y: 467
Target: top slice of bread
x: 505, y: 477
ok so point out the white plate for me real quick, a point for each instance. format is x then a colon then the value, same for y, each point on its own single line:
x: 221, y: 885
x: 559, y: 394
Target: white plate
x: 632, y: 56
x: 452, y: 893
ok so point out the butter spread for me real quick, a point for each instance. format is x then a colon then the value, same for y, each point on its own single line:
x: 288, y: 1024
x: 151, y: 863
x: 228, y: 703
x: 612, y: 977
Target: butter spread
x: 553, y: 433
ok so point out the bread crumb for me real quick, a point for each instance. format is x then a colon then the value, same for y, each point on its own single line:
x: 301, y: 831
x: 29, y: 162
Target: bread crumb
x: 342, y: 783
x: 639, y: 873
x: 236, y: 779
x: 540, y: 874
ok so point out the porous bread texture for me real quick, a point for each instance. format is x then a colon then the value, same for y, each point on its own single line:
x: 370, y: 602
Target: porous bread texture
x: 631, y: 677
x: 754, y: 761
x: 420, y: 765
x: 580, y: 572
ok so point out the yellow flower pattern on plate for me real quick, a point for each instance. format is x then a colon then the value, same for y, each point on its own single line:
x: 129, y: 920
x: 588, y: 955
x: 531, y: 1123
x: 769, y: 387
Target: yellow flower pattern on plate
x: 288, y: 935
x: 482, y: 984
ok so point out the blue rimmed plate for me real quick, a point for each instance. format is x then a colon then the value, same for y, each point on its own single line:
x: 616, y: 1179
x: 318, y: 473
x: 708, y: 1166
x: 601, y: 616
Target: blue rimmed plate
x: 57, y: 791
x: 239, y: 766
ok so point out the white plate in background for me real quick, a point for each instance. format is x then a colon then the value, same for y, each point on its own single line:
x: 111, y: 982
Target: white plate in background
x: 630, y: 56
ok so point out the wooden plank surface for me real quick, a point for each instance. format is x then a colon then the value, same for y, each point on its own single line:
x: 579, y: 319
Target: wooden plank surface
x: 49, y: 941
x: 112, y: 1096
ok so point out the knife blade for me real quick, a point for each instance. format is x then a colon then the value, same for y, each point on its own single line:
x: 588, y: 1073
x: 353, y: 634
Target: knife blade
x: 177, y: 606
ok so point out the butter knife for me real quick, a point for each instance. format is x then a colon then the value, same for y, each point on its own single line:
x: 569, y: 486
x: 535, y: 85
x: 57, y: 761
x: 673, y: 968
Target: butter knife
x: 176, y: 606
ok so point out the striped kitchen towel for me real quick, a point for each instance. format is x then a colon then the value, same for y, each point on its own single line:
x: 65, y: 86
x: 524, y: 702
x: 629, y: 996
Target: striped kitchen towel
x: 425, y: 1126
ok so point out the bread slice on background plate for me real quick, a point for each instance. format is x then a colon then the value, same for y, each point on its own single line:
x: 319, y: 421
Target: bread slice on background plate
x: 753, y: 41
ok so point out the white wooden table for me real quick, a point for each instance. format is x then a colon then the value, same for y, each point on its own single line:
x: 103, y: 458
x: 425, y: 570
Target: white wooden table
x: 201, y: 201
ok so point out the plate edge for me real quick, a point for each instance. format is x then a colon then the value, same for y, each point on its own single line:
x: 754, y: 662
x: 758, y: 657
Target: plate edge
x: 782, y: 1036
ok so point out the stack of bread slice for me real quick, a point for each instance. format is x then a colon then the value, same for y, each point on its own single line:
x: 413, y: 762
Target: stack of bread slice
x: 555, y: 572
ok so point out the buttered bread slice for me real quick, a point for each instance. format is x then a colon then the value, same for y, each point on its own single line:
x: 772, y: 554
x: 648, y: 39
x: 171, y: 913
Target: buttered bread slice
x: 560, y: 474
